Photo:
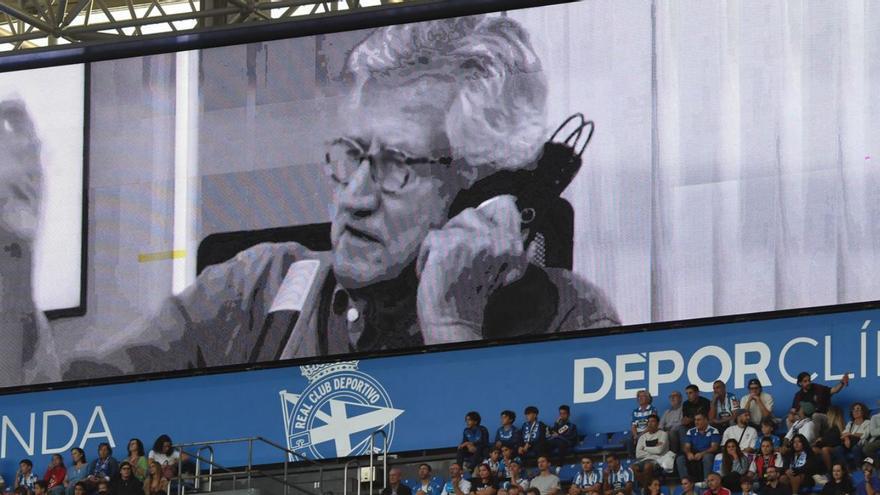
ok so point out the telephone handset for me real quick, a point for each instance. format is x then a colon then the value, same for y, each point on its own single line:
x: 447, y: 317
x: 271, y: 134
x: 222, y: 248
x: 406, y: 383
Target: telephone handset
x: 538, y: 187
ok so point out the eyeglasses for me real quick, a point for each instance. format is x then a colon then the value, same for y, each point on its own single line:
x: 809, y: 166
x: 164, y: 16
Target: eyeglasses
x: 391, y: 169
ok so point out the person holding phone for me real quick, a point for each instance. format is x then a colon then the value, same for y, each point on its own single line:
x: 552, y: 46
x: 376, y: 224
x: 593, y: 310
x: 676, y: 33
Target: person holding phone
x: 434, y: 108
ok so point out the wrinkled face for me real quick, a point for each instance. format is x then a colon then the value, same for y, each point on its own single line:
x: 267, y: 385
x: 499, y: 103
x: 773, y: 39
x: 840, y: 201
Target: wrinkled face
x: 454, y: 471
x: 377, y: 233
x: 424, y: 472
x: 675, y: 400
x: 394, y: 476
x: 714, y: 481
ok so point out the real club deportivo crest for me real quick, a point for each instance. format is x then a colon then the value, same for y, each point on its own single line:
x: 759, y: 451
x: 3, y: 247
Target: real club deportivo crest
x: 337, y: 412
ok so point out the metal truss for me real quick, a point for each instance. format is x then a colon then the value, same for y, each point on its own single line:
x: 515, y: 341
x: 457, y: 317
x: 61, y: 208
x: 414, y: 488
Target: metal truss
x: 40, y: 23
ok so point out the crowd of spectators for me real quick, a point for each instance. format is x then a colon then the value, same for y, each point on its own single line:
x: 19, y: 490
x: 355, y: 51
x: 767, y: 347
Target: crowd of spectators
x: 715, y: 445
x: 138, y: 473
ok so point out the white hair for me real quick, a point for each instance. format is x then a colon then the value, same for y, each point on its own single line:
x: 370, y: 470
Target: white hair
x: 498, y: 116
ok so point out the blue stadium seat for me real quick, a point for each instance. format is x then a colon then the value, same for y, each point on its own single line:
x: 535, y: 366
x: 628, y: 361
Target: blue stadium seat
x: 591, y: 443
x: 567, y: 472
x: 410, y: 483
x: 664, y: 490
x: 617, y: 441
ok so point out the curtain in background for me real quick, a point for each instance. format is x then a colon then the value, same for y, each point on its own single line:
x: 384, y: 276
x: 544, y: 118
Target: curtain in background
x: 734, y: 167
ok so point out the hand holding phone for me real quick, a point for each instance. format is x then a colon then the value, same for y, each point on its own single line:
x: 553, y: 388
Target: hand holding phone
x: 462, y: 264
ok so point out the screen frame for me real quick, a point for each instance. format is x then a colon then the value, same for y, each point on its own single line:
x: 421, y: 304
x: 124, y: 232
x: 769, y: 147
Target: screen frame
x: 366, y: 18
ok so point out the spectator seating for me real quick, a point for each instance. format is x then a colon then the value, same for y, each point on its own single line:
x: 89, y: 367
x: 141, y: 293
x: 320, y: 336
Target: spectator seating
x: 591, y: 443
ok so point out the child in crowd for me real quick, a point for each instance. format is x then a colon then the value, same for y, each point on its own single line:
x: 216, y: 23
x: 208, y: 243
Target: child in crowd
x: 507, y: 458
x: 507, y: 435
x: 494, y: 463
x: 767, y: 429
x: 534, y: 433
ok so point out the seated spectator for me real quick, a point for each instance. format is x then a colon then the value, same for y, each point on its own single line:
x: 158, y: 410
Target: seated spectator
x: 688, y: 487
x: 494, y: 463
x: 700, y: 446
x: 652, y: 445
x: 507, y: 435
x: 167, y: 456
x: 426, y: 484
x: 137, y: 458
x: 506, y: 458
x: 155, y: 483
x: 395, y: 487
x: 513, y: 490
x: 618, y: 480
x: 40, y: 487
x: 533, y: 433
x: 126, y: 483
x: 456, y: 485
x: 79, y: 470
x: 484, y: 483
x: 741, y: 431
x: 816, y: 394
x: 55, y: 475
x: 746, y: 488
x: 830, y: 440
x: 103, y: 468
x: 671, y: 421
x: 694, y: 404
x: 24, y: 476
x: 639, y: 421
x: 79, y: 488
x: 767, y: 431
x: 546, y: 482
x: 802, y: 465
x: 652, y: 487
x: 734, y: 465
x: 103, y: 487
x: 588, y: 481
x: 840, y: 482
x: 766, y: 457
x: 514, y: 479
x: 773, y: 483
x: 854, y: 435
x: 758, y: 403
x: 563, y: 434
x: 722, y: 406
x: 474, y: 440
x: 714, y: 486
x: 870, y: 485
x: 871, y: 447
x: 802, y: 425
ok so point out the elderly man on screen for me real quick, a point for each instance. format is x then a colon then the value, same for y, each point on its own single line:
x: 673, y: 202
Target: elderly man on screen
x: 434, y: 108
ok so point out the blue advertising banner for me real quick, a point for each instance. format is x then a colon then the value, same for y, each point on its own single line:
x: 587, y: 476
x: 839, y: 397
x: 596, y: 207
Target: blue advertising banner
x: 325, y: 411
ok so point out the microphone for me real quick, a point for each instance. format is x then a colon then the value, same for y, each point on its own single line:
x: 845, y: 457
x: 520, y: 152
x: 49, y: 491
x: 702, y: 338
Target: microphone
x: 288, y: 305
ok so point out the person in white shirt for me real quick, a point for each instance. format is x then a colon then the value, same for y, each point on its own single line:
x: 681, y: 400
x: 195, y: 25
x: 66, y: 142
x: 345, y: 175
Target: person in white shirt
x: 745, y: 435
x: 652, y: 445
x: 802, y: 425
x: 757, y: 402
x: 456, y: 484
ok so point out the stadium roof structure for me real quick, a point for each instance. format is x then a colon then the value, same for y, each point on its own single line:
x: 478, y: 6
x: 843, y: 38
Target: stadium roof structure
x: 28, y: 24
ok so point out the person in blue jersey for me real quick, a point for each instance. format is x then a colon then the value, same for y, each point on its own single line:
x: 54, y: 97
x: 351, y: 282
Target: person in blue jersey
x: 618, y: 479
x: 515, y: 479
x: 722, y: 406
x: 562, y: 435
x: 474, y: 441
x: 426, y: 484
x: 494, y: 462
x: 507, y: 434
x: 639, y: 423
x: 768, y: 428
x: 701, y: 443
x: 588, y: 481
x: 534, y: 434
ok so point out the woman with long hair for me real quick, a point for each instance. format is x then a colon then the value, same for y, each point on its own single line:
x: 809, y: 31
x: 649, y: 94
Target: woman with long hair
x: 852, y: 439
x: 155, y: 483
x: 801, y: 464
x: 484, y: 483
x: 137, y: 458
x: 652, y: 488
x: 734, y: 465
x: 830, y: 439
x: 79, y: 470
x: 840, y: 482
x: 55, y: 475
